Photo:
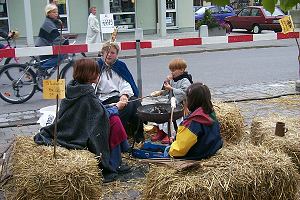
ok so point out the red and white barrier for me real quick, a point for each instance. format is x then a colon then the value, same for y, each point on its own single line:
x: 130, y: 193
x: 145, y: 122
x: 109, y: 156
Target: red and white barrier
x: 127, y: 45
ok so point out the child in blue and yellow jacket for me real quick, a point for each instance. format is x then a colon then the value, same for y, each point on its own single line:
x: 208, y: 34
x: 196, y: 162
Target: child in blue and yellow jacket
x: 198, y: 135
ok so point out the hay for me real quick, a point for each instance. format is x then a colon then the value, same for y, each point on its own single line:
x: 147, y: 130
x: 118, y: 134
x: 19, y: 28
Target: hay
x: 265, y: 135
x: 231, y: 122
x: 240, y: 172
x: 37, y: 175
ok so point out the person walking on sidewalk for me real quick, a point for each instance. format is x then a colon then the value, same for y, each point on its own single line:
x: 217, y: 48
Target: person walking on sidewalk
x: 93, y: 28
x: 198, y: 135
x: 175, y: 85
x: 84, y: 123
x: 117, y: 84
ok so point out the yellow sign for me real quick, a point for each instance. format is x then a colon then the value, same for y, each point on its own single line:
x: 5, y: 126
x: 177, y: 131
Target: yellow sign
x: 61, y: 1
x: 53, y: 89
x: 286, y: 24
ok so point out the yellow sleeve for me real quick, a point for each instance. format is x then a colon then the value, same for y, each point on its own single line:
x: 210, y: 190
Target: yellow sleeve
x: 185, y: 139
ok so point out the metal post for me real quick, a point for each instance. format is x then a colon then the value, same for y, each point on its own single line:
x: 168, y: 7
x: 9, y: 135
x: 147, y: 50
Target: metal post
x: 28, y: 22
x: 138, y: 38
x: 139, y: 67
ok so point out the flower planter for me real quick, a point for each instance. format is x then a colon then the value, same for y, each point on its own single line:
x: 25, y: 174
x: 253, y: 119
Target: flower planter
x: 216, y: 31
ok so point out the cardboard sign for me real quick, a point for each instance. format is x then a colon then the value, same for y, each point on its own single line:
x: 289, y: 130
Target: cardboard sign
x: 54, y: 88
x: 286, y: 24
x: 107, y: 23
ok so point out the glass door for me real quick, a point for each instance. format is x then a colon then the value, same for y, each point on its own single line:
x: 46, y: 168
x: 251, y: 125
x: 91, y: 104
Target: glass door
x: 124, y: 14
x: 63, y: 11
x: 171, y: 13
x: 4, y: 25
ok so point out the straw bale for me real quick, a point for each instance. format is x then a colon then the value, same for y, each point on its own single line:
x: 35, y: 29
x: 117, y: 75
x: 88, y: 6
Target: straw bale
x: 231, y: 122
x: 263, y: 133
x: 240, y: 172
x: 74, y: 174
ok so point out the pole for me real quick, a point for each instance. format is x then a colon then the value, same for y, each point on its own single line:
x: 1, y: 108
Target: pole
x: 139, y: 66
x: 28, y: 22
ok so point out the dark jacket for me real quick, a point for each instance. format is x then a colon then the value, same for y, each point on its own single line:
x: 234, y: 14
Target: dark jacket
x: 49, y: 35
x: 83, y: 123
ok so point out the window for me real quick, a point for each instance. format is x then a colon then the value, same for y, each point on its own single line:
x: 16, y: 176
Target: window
x: 245, y: 12
x: 124, y: 13
x: 225, y: 10
x: 214, y: 10
x: 63, y: 12
x: 171, y: 13
x: 4, y: 25
x: 255, y: 12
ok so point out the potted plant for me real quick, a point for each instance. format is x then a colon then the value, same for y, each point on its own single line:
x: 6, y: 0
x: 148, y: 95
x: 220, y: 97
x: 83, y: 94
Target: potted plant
x: 214, y: 27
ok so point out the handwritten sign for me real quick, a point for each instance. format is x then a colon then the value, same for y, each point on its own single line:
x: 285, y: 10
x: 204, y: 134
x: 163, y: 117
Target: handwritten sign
x: 287, y: 24
x: 107, y: 23
x: 54, y: 88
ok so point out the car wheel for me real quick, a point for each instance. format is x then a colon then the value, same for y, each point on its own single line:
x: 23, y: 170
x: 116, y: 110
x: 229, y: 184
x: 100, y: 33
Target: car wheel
x: 256, y: 29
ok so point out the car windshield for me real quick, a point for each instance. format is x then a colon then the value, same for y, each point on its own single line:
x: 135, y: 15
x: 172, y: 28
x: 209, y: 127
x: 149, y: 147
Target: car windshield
x: 277, y: 12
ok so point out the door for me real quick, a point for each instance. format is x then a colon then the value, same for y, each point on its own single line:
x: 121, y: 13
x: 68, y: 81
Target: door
x: 63, y: 11
x: 4, y: 25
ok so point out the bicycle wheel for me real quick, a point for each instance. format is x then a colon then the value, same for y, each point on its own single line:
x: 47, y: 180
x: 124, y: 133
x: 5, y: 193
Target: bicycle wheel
x: 67, y: 72
x: 20, y: 86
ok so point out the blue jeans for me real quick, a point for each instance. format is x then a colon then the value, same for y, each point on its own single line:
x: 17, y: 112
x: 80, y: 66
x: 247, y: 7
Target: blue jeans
x: 2, y: 46
x: 52, y: 61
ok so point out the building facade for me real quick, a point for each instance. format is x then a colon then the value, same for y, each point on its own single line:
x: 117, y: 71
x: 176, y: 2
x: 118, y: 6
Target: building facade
x: 128, y: 14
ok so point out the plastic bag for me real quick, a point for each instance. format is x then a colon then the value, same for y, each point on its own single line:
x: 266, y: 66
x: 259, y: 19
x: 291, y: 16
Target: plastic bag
x: 48, y: 115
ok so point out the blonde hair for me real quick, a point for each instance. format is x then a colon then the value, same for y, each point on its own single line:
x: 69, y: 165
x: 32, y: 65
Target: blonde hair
x: 49, y: 8
x: 177, y: 63
x: 106, y: 45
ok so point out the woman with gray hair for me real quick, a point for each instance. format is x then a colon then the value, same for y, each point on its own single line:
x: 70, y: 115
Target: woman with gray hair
x: 49, y: 35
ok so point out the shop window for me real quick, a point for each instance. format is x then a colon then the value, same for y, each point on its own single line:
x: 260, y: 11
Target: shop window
x: 4, y: 25
x: 124, y: 14
x: 63, y: 12
x: 171, y: 13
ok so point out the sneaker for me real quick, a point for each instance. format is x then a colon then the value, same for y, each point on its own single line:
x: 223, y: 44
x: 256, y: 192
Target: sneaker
x: 165, y: 140
x: 159, y: 136
x: 41, y: 73
x: 123, y: 168
x: 110, y: 177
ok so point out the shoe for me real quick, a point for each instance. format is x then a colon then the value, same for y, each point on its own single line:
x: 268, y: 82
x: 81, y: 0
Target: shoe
x: 159, y: 136
x: 123, y: 168
x: 110, y: 177
x: 42, y: 73
x: 165, y: 140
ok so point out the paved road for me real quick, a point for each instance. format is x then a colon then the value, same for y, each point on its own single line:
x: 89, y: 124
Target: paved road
x: 216, y: 66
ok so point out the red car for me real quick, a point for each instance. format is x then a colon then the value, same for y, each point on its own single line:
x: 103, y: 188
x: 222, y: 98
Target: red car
x: 256, y: 19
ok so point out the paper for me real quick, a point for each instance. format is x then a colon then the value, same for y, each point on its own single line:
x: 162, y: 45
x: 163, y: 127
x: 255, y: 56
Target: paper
x: 54, y: 88
x: 286, y: 24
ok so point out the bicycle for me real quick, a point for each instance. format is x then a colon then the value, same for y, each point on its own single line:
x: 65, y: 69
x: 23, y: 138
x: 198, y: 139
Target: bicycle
x: 9, y: 41
x: 19, y: 82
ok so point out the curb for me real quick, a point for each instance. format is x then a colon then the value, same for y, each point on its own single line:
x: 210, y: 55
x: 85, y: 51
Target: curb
x: 15, y: 119
x: 197, y: 51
